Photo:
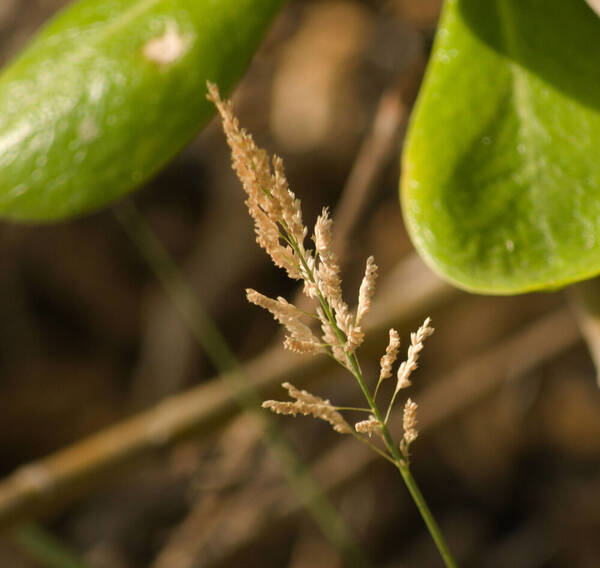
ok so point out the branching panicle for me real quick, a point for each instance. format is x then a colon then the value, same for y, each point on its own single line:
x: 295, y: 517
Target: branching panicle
x: 279, y: 228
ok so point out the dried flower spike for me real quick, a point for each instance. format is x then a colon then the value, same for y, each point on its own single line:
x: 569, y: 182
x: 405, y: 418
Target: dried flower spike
x: 367, y: 289
x: 416, y: 346
x: 329, y: 270
x: 409, y: 425
x: 301, y: 338
x: 306, y: 404
x: 270, y: 201
x: 391, y: 354
x: 281, y: 232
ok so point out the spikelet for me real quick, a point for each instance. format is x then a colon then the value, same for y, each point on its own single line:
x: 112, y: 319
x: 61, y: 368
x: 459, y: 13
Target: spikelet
x: 344, y: 321
x: 330, y: 284
x: 306, y: 403
x: 351, y: 326
x: 298, y: 346
x: 249, y: 162
x: 270, y: 201
x: 344, y: 318
x: 329, y: 281
x: 268, y: 237
x: 416, y: 345
x: 301, y: 338
x: 331, y: 339
x: 323, y: 238
x: 368, y: 426
x: 311, y: 288
x: 409, y: 425
x: 391, y: 354
x: 290, y: 207
x: 367, y: 289
x: 355, y: 337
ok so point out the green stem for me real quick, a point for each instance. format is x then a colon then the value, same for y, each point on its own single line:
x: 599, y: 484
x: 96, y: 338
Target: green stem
x: 390, y: 406
x: 373, y: 447
x: 409, y: 480
x: 428, y: 517
x: 377, y: 389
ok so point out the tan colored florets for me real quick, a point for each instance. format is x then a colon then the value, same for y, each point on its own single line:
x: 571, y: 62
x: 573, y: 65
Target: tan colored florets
x: 329, y: 284
x: 355, y: 336
x: 307, y: 403
x: 280, y: 230
x: 301, y: 338
x: 409, y: 425
x: 368, y: 426
x: 290, y: 206
x: 270, y: 201
x: 391, y: 354
x: 298, y: 346
x: 330, y: 338
x: 367, y: 289
x: 416, y: 346
x: 353, y: 329
x: 329, y: 280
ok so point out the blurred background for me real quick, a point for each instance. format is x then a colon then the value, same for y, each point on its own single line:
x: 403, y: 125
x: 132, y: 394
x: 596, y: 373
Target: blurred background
x: 508, y: 456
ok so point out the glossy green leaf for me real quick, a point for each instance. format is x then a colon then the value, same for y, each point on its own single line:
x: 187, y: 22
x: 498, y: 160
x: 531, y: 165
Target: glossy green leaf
x: 501, y: 170
x: 109, y: 91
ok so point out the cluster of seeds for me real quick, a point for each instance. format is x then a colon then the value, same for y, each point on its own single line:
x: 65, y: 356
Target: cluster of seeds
x: 281, y: 232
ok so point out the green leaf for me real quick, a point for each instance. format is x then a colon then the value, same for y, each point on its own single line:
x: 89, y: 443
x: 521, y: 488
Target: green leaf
x: 501, y: 170
x: 109, y: 91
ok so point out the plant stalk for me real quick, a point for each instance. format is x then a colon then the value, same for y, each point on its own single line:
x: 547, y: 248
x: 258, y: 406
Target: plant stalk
x: 396, y: 457
x: 426, y: 514
x: 409, y: 480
